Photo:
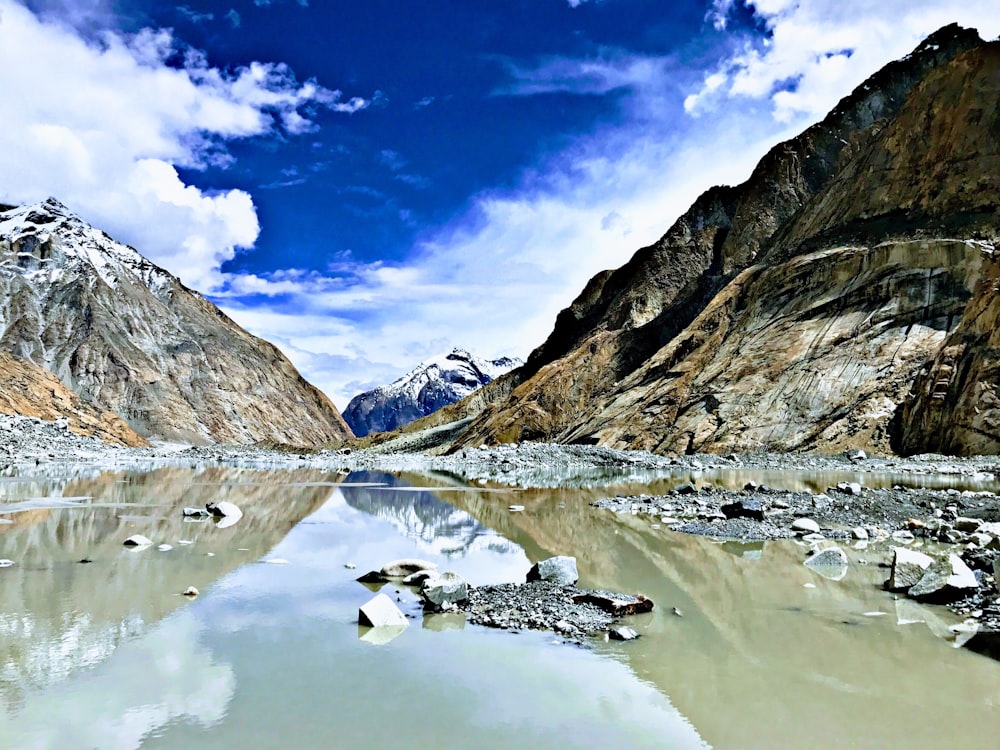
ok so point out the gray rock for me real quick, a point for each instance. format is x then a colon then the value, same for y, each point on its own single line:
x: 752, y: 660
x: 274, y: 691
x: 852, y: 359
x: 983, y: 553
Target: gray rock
x: 137, y: 540
x: 851, y: 488
x: 445, y: 590
x: 903, y: 535
x: 855, y: 454
x: 744, y: 508
x: 622, y: 634
x: 560, y: 569
x: 813, y: 538
x: 805, y: 525
x: 380, y: 612
x: 968, y: 525
x: 908, y: 567
x: 829, y: 562
x: 406, y: 566
x: 859, y: 532
x: 945, y: 580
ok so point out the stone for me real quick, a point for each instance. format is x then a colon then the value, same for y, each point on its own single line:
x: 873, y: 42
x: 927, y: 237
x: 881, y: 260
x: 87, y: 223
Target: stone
x: 617, y: 605
x: 5, y: 563
x: 405, y: 566
x: 945, y: 580
x: 190, y: 591
x: 137, y: 540
x: 813, y: 538
x: 908, y: 567
x: 744, y: 508
x: 446, y: 589
x: 829, y: 557
x: 968, y: 525
x: 417, y: 579
x: 855, y: 454
x: 686, y: 489
x: 805, y: 525
x: 560, y: 569
x: 381, y: 612
x: 196, y: 513
x: 622, y: 633
x: 903, y: 535
x: 224, y: 509
x: 165, y: 547
x: 851, y: 488
x: 859, y: 532
x: 516, y: 508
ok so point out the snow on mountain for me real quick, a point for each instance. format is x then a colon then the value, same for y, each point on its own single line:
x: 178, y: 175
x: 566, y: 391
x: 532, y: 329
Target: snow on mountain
x: 130, y: 338
x: 436, y: 382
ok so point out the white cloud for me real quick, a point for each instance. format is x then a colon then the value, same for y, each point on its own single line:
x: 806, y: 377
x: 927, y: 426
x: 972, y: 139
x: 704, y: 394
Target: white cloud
x: 818, y: 51
x: 102, y: 122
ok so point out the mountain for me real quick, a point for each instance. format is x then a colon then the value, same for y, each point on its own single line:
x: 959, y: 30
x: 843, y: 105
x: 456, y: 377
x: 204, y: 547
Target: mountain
x: 129, y: 338
x: 439, y: 381
x: 843, y: 296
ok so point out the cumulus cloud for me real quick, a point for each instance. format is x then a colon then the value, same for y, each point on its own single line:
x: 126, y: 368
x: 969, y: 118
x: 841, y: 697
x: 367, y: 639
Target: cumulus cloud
x: 104, y: 120
x: 818, y: 51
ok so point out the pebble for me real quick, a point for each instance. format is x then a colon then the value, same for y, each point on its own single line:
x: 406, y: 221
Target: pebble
x: 190, y: 591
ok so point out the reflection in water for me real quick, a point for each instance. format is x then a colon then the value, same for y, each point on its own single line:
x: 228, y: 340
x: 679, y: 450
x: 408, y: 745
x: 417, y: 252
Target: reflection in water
x: 421, y: 515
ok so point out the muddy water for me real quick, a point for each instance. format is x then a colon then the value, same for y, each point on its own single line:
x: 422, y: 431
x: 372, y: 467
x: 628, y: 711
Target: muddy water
x: 107, y: 654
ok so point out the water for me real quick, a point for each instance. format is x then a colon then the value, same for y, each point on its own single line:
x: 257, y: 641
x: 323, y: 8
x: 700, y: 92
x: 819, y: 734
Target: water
x: 108, y: 654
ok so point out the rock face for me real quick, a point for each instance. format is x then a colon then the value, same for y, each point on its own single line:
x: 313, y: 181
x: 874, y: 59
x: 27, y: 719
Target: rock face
x: 841, y: 298
x: 437, y: 382
x: 30, y: 391
x: 129, y: 338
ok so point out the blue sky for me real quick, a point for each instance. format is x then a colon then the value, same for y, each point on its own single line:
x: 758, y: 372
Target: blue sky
x: 369, y: 183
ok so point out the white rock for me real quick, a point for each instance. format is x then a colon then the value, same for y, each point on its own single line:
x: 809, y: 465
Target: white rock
x: 908, y: 567
x: 165, y: 547
x: 276, y: 561
x: 806, y: 525
x: 5, y: 563
x: 516, y: 508
x: 137, y: 540
x: 381, y: 612
x: 190, y: 591
x: 405, y: 566
x: 445, y: 590
x: 945, y: 579
x: 859, y: 532
x: 560, y: 569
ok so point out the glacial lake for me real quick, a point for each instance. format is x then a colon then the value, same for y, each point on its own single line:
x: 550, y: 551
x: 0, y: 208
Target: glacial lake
x: 109, y: 654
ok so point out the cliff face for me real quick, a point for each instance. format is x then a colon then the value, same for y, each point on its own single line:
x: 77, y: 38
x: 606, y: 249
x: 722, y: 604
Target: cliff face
x: 130, y: 338
x: 822, y: 304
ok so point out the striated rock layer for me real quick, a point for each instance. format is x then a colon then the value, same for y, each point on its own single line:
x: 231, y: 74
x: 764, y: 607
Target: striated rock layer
x: 843, y: 296
x: 129, y: 338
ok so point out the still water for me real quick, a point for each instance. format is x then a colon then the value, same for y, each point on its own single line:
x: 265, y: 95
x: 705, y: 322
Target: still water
x: 108, y: 654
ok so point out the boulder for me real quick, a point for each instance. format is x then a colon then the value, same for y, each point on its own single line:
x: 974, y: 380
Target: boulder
x: 855, y: 454
x: 224, y: 509
x: 138, y: 540
x: 968, y: 525
x: 445, y: 590
x: 744, y: 508
x: 560, y: 569
x: 406, y: 566
x: 805, y: 525
x: 908, y: 567
x: 617, y: 605
x: 418, y: 578
x: 945, y: 580
x: 381, y: 612
x: 851, y: 488
x: 860, y: 533
x: 622, y: 634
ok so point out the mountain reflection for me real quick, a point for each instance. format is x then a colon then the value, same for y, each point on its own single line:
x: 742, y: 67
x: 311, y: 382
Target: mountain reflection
x: 420, y: 515
x: 59, y: 615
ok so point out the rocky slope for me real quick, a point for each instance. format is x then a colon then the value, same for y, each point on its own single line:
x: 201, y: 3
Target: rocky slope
x: 439, y: 381
x: 843, y: 296
x: 129, y: 338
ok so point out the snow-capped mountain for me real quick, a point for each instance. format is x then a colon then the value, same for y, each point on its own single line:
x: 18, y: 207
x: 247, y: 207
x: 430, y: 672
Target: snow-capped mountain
x: 132, y: 339
x: 437, y: 382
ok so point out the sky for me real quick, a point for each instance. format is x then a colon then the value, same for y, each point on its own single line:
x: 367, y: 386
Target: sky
x: 368, y: 184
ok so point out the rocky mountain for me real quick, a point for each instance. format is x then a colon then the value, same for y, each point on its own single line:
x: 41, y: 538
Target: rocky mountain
x: 129, y: 338
x: 437, y: 382
x: 843, y: 296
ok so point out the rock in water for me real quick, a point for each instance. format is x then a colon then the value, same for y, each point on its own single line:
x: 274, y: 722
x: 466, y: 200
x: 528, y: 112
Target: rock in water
x: 224, y: 509
x: 615, y: 604
x: 560, y: 569
x: 829, y: 562
x: 623, y: 634
x: 196, y: 513
x: 190, y: 591
x: 945, y: 580
x: 447, y: 588
x: 406, y: 566
x: 908, y: 567
x: 137, y: 540
x: 381, y: 612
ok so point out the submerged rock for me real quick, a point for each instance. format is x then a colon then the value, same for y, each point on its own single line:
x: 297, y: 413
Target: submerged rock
x: 830, y: 562
x: 560, y: 569
x: 622, y: 633
x: 380, y: 612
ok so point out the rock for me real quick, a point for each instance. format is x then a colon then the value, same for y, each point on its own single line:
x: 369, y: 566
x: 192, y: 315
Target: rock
x: 560, y: 569
x: 196, y: 513
x: 417, y: 579
x: 851, y: 488
x: 350, y: 566
x: 405, y: 566
x: 137, y: 540
x: 828, y: 557
x: 859, y: 532
x: 276, y: 561
x: 622, y: 634
x: 371, y: 577
x: 446, y: 589
x: 805, y: 525
x: 190, y: 591
x: 855, y: 454
x: 224, y: 509
x: 945, y: 580
x: 968, y: 525
x: 516, y: 508
x: 617, y: 605
x: 165, y: 547
x: 744, y: 508
x: 381, y: 612
x: 686, y: 489
x: 908, y: 567
x: 903, y: 535
x: 813, y: 538
x: 5, y: 563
